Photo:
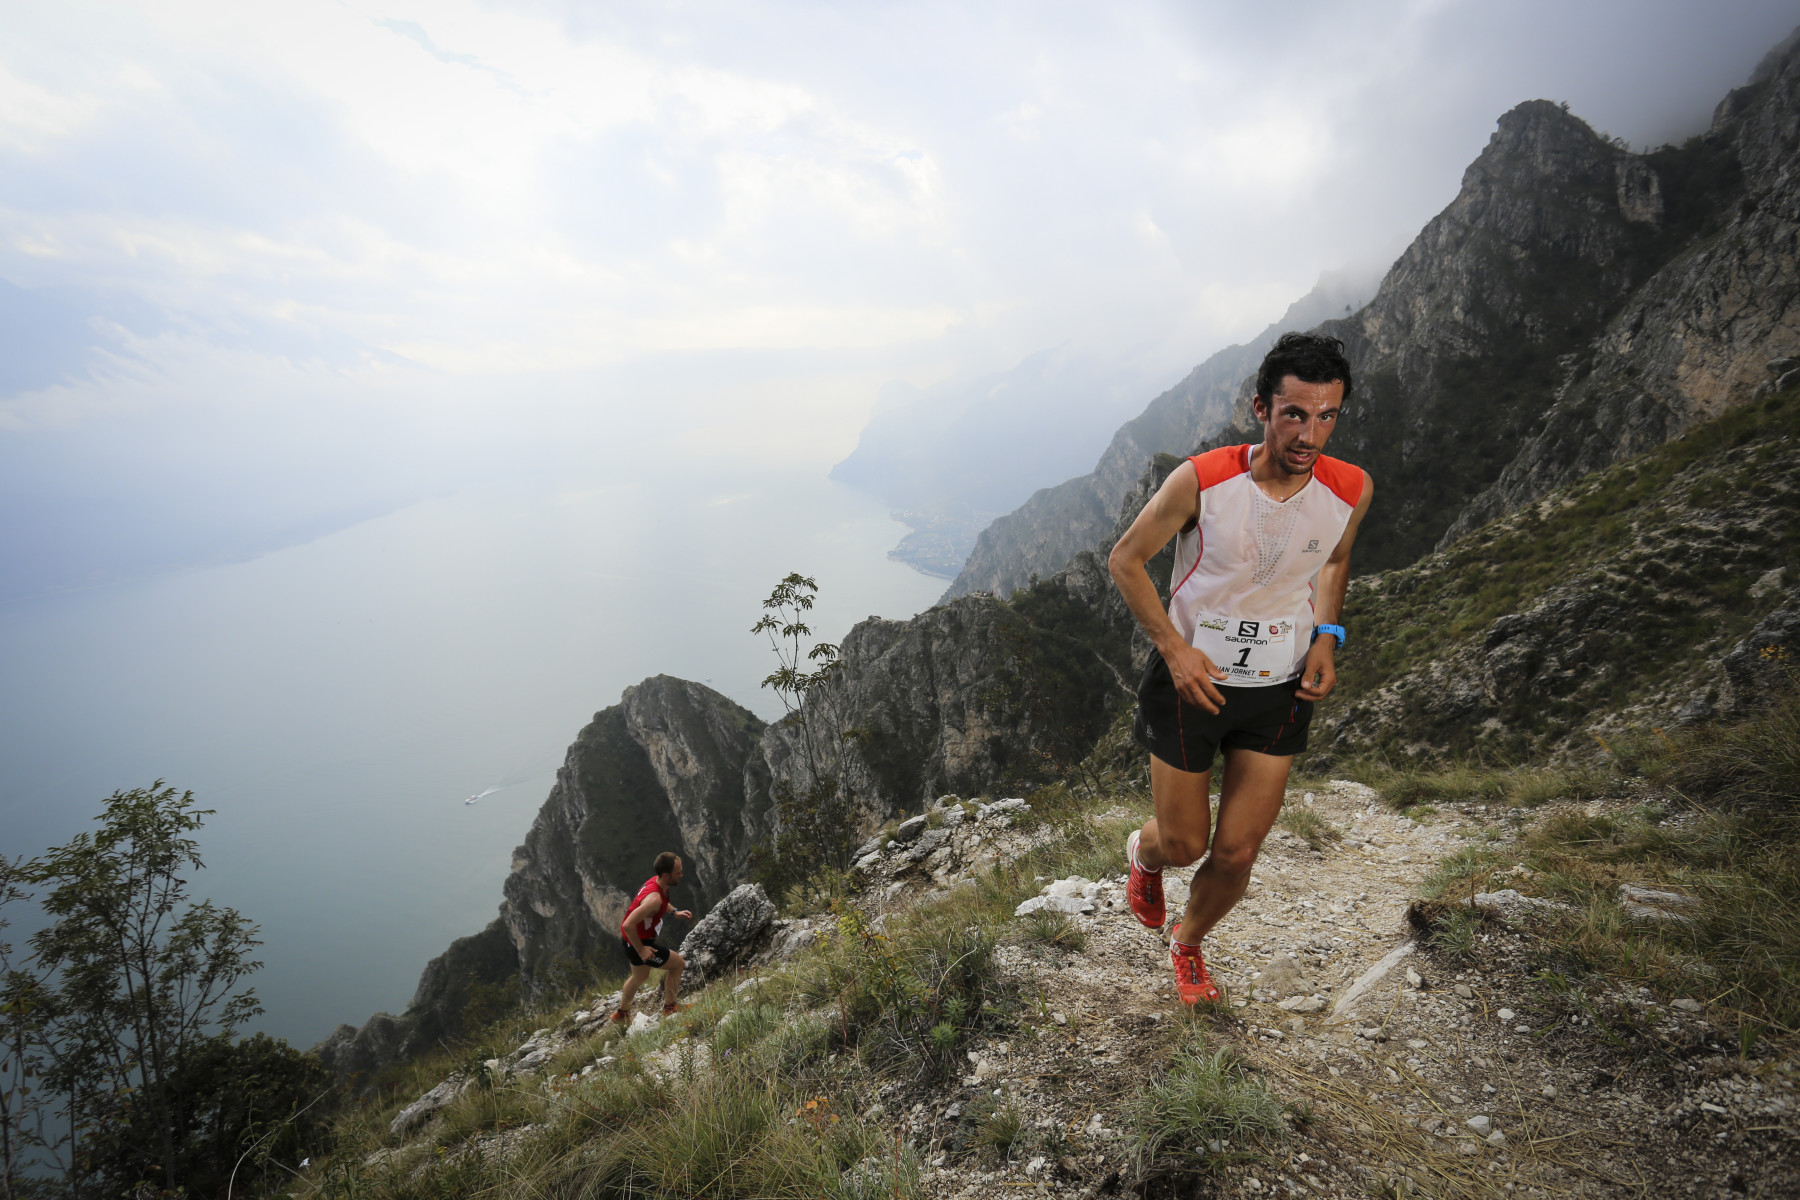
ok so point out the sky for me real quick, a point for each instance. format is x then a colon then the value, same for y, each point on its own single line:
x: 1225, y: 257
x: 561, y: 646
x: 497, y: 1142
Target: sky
x: 269, y: 270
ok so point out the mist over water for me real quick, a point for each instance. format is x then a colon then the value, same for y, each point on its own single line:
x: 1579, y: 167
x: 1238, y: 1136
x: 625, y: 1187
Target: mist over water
x: 338, y: 701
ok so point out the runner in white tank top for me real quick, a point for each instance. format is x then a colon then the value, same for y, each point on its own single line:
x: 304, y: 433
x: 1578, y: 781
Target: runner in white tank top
x: 1248, y: 641
x: 1248, y: 568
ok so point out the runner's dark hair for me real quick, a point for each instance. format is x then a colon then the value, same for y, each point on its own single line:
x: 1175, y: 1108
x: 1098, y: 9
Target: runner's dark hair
x: 665, y: 862
x: 1309, y: 357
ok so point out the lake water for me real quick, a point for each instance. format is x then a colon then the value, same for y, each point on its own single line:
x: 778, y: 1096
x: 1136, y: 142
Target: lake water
x: 336, y: 701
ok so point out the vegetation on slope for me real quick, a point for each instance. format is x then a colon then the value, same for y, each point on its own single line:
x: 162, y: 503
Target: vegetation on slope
x: 1652, y: 561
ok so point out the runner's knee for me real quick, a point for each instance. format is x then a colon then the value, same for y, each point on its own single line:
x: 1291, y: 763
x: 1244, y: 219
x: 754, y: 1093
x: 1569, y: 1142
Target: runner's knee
x: 1233, y: 860
x: 676, y: 962
x: 1180, y: 851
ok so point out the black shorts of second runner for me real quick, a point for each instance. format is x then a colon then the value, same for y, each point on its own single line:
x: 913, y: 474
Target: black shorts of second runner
x: 659, y: 955
x: 1268, y: 720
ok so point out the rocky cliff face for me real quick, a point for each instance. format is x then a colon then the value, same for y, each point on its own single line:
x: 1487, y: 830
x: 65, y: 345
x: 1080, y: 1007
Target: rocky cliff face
x: 1575, y: 304
x: 973, y: 697
x: 1695, y: 338
x: 1042, y: 535
x: 661, y: 770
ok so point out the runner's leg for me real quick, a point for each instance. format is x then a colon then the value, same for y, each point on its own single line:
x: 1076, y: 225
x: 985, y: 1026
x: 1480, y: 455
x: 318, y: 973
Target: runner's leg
x: 626, y: 993
x: 1177, y: 835
x: 1249, y: 801
x: 672, y: 978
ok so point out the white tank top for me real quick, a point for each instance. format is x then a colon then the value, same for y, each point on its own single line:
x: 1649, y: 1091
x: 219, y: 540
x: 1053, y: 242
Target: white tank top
x: 1245, y: 574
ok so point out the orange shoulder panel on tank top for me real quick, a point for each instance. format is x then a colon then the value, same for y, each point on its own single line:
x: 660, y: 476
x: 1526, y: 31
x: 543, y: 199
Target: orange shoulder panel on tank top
x: 1343, y: 479
x: 1216, y: 466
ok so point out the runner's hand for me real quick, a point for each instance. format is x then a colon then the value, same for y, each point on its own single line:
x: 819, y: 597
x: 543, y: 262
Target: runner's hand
x: 685, y: 915
x: 1320, y: 673
x: 1193, y: 674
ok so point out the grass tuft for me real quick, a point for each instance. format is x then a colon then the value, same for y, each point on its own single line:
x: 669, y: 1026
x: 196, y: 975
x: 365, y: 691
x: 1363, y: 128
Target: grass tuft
x: 1053, y: 930
x: 999, y: 1126
x: 1206, y: 1109
x: 1756, y: 761
x: 1307, y: 825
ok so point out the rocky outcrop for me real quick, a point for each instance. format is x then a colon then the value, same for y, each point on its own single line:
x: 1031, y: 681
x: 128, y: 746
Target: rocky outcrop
x: 727, y: 935
x: 1042, y: 535
x: 350, y: 1053
x: 1766, y: 664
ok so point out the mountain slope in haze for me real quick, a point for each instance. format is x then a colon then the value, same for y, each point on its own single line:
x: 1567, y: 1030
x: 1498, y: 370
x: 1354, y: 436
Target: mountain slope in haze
x: 947, y: 458
x: 1044, y: 533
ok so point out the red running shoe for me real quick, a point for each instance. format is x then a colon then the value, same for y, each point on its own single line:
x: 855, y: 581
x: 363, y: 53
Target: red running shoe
x: 619, y: 1017
x: 1191, y: 979
x: 1143, y: 891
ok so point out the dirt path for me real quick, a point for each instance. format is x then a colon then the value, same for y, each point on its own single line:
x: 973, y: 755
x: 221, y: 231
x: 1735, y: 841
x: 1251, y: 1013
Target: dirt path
x: 1429, y: 1079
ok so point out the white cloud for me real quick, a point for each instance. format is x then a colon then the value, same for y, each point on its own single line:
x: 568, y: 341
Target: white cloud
x: 827, y: 198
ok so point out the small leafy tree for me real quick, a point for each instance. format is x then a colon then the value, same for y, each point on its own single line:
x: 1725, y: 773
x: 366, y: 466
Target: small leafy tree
x: 815, y: 818
x: 137, y: 986
x: 25, y: 1136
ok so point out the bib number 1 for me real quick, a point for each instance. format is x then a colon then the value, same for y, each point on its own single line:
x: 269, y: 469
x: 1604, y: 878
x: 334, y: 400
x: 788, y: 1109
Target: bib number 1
x: 1250, y: 652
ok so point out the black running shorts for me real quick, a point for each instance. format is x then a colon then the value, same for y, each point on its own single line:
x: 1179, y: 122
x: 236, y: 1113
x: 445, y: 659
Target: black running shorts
x: 1268, y: 720
x: 659, y: 955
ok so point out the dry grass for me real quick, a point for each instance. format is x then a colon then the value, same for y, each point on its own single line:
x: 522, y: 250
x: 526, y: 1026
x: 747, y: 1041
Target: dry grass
x: 1380, y: 1128
x: 1307, y: 825
x: 1404, y: 788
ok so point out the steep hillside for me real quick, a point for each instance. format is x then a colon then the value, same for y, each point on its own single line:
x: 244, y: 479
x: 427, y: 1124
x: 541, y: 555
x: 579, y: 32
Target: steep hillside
x: 1604, y: 605
x: 1043, y: 534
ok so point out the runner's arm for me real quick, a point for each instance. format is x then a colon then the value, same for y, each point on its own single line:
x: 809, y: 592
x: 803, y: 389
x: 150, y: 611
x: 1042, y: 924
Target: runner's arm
x: 1176, y: 503
x: 1319, y: 675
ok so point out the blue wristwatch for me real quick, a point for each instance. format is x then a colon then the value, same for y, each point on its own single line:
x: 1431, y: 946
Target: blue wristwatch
x: 1336, y: 631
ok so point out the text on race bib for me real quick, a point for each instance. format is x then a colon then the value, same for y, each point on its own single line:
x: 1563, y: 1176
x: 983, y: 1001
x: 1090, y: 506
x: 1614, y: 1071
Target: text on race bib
x: 1249, y: 651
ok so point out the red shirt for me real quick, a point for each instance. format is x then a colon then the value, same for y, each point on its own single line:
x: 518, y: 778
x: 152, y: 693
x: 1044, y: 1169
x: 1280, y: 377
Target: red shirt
x: 647, y: 929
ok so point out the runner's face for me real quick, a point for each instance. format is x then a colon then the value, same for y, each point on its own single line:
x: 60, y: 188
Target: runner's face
x: 1300, y: 420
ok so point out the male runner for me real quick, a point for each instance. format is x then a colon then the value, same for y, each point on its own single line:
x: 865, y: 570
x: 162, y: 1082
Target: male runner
x: 637, y: 932
x: 1247, y: 643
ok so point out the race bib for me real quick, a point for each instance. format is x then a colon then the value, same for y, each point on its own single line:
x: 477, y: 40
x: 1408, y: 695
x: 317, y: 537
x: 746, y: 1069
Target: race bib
x: 1250, y: 652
